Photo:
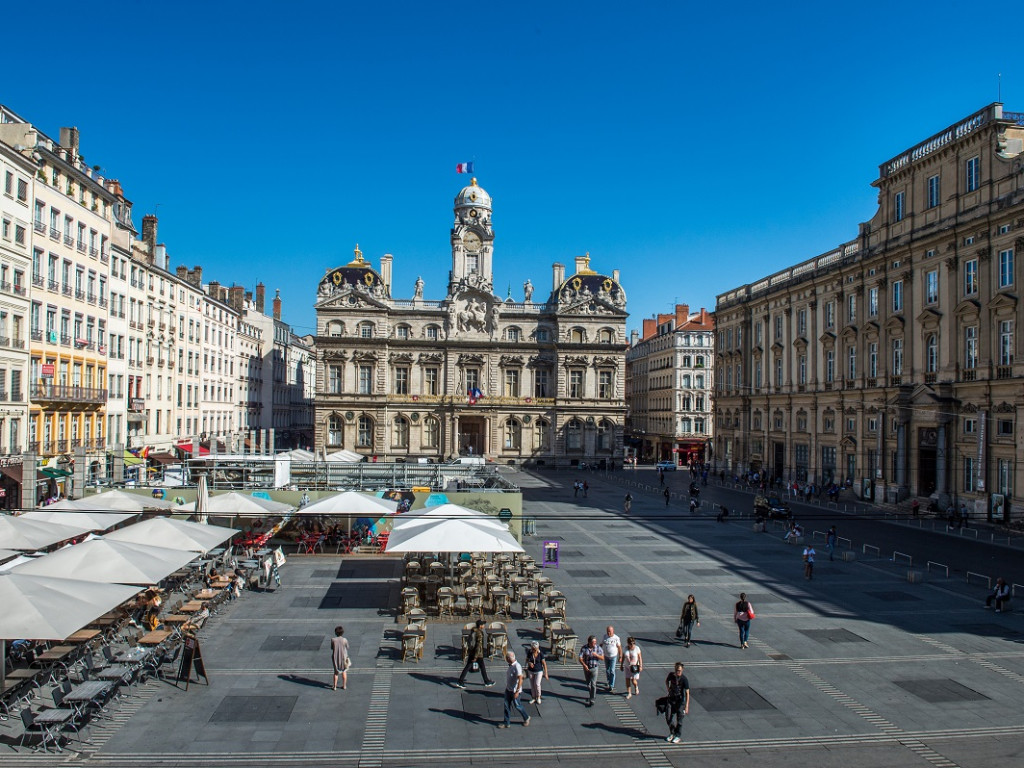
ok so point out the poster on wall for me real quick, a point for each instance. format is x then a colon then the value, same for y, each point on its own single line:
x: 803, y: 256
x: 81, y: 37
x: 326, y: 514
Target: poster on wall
x: 998, y: 508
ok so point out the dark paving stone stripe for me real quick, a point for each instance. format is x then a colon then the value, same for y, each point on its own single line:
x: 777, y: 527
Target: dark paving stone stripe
x: 260, y: 709
x: 938, y: 690
x: 832, y: 636
x: 292, y: 643
x: 893, y: 597
x: 730, y: 699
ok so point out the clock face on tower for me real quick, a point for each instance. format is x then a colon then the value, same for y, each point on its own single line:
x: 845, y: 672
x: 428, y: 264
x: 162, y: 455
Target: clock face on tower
x: 471, y: 241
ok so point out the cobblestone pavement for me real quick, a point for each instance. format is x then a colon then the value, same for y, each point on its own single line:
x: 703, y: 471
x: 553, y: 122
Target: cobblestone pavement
x: 857, y: 668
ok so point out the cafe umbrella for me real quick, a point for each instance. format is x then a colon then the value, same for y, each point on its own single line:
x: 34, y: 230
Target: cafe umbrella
x: 175, y: 534
x: 112, y: 562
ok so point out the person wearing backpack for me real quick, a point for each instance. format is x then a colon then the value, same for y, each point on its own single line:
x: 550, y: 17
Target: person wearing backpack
x: 475, y: 657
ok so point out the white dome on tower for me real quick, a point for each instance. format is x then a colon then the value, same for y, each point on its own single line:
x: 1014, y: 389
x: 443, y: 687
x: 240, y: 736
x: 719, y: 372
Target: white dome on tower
x: 473, y: 196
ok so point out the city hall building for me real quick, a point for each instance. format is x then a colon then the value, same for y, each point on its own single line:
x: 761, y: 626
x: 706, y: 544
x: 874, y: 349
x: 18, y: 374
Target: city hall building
x: 890, y: 362
x: 539, y: 380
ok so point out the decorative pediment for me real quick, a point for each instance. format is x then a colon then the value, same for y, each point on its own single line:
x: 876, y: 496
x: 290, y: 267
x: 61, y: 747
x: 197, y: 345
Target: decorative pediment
x: 593, y: 306
x: 334, y: 355
x: 777, y: 347
x: 968, y: 307
x: 851, y: 411
x: 541, y: 361
x: 1003, y: 301
x: 828, y: 338
x: 400, y: 357
x: 757, y: 351
x: 1004, y: 407
x: 511, y: 360
x: 364, y: 356
x: 894, y: 323
x: 605, y: 362
x: 848, y: 442
x: 969, y: 408
x: 471, y: 359
x: 348, y: 299
x: 800, y: 343
x: 575, y: 360
x: 929, y: 317
x: 431, y: 357
x: 849, y: 333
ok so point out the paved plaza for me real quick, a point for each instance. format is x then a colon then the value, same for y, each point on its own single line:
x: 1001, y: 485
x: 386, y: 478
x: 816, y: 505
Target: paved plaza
x: 856, y: 668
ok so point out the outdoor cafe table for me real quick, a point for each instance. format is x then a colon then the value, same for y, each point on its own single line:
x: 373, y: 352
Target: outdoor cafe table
x: 88, y: 691
x: 106, y: 620
x: 192, y: 606
x: 51, y: 720
x: 549, y: 615
x: 220, y: 583
x: 155, y: 637
x: 543, y: 584
x: 82, y: 636
x: 134, y: 655
x: 55, y: 654
x: 205, y: 594
x: 173, y: 619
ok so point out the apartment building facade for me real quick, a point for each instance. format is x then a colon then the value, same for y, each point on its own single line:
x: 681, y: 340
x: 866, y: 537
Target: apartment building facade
x: 889, y: 363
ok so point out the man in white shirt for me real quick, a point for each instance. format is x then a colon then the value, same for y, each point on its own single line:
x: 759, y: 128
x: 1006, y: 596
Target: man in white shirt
x: 809, y: 554
x: 513, y: 687
x: 611, y: 647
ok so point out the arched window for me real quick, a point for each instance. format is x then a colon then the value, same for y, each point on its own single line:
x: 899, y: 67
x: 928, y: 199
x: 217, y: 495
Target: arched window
x: 606, y: 336
x: 366, y: 330
x: 401, y: 433
x: 402, y: 332
x: 931, y: 355
x: 513, y: 435
x: 541, y: 435
x: 335, y: 328
x: 432, y: 332
x: 577, y: 336
x: 574, y: 435
x: 334, y: 432
x: 513, y: 334
x: 364, y: 436
x: 431, y: 432
x: 605, y: 432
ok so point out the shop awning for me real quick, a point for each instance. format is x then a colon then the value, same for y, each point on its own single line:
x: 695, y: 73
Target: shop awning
x: 163, y: 458
x: 54, y: 472
x: 187, y: 448
x: 131, y: 460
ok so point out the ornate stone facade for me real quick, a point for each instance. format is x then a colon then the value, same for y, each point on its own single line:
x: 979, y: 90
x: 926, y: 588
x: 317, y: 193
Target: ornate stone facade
x: 471, y: 374
x: 890, y: 362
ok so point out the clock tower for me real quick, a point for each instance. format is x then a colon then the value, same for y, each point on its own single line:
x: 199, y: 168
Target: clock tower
x: 472, y: 242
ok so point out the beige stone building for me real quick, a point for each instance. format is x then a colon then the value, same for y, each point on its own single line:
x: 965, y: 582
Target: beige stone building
x: 890, y: 362
x: 516, y: 381
x: 669, y: 386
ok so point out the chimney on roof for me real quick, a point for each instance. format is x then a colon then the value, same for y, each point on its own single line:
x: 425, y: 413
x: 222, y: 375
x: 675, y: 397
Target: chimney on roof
x: 385, y: 270
x: 634, y: 337
x: 557, y: 275
x: 149, y: 222
x: 114, y: 187
x: 615, y: 275
x: 182, y: 272
x: 682, y: 314
x: 196, y: 276
x: 236, y: 297
x: 650, y: 327
x: 69, y: 140
x: 277, y: 304
x: 582, y: 263
x: 214, y: 289
x: 261, y: 293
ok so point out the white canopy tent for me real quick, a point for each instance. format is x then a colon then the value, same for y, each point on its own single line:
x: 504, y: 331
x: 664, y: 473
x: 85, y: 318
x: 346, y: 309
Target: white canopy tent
x: 451, y: 536
x: 122, y: 501
x: 351, y: 503
x: 350, y: 457
x: 174, y: 534
x: 430, y: 515
x: 44, y: 608
x: 239, y: 505
x: 97, y: 521
x: 30, y: 535
x: 110, y: 562
x: 296, y: 454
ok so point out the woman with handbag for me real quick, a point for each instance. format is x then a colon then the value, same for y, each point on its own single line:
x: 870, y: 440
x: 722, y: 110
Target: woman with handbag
x: 687, y: 619
x: 744, y: 613
x: 632, y: 661
x: 339, y: 655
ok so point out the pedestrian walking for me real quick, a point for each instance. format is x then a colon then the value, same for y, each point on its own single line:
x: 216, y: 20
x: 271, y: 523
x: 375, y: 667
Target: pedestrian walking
x: 340, y: 657
x: 668, y: 496
x: 536, y: 668
x: 661, y: 476
x: 513, y: 687
x: 687, y: 619
x: 627, y: 503
x: 743, y: 615
x: 575, y: 488
x: 632, y: 662
x: 590, y: 657
x: 965, y: 516
x: 475, y: 656
x: 693, y: 506
x: 678, y: 688
x: 586, y: 488
x: 830, y: 542
x: 611, y: 647
x: 809, y: 554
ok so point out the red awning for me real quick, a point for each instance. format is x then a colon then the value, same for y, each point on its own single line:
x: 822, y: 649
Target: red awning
x: 187, y: 448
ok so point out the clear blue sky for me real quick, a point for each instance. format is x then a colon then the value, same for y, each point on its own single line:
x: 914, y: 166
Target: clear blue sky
x: 694, y: 146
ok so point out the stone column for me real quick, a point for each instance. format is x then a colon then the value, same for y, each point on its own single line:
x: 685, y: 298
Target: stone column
x: 29, y: 492
x: 901, y: 455
x: 940, y: 460
x: 117, y: 464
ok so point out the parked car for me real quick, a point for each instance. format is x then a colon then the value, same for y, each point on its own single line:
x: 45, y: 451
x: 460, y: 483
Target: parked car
x: 667, y: 465
x: 772, y: 507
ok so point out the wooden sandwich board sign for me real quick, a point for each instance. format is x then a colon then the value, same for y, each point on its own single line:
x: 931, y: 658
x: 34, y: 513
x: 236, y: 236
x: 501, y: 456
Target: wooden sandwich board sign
x: 192, y: 657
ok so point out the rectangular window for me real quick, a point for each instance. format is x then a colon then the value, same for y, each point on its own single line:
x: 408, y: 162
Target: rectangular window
x: 897, y: 206
x: 897, y: 296
x: 801, y: 322
x: 851, y: 308
x: 778, y: 371
x: 1006, y: 342
x: 472, y: 378
x: 542, y: 383
x: 971, y: 347
x: 830, y: 314
x: 973, y: 174
x: 575, y: 383
x: 970, y: 277
x: 432, y: 332
x: 1006, y: 268
x: 472, y: 263
x: 605, y: 390
x: 1004, y: 427
x: 1004, y: 475
x: 897, y: 357
x: 931, y: 286
x: 873, y: 302
x: 366, y: 331
x: 851, y: 363
x: 970, y: 426
x: 830, y: 365
x: 803, y: 369
x: 402, y: 380
x: 968, y: 474
x: 933, y: 191
x: 778, y: 326
x: 512, y: 382
x: 365, y: 379
x: 430, y: 379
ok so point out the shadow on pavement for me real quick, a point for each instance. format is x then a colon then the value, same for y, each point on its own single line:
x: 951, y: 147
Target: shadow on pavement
x: 469, y: 717
x: 299, y: 680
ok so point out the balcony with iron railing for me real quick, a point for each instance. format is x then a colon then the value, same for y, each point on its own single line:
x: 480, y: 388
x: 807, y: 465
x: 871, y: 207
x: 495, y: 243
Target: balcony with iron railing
x: 69, y: 241
x: 53, y: 285
x: 1004, y: 372
x: 54, y: 233
x: 20, y: 290
x: 39, y: 281
x: 90, y: 297
x: 80, y: 245
x: 93, y: 252
x: 67, y: 393
x: 39, y: 227
x: 104, y: 257
x: 79, y: 294
x: 37, y: 334
x: 67, y: 290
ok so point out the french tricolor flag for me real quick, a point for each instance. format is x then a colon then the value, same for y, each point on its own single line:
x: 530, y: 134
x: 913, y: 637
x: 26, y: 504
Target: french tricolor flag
x: 463, y: 167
